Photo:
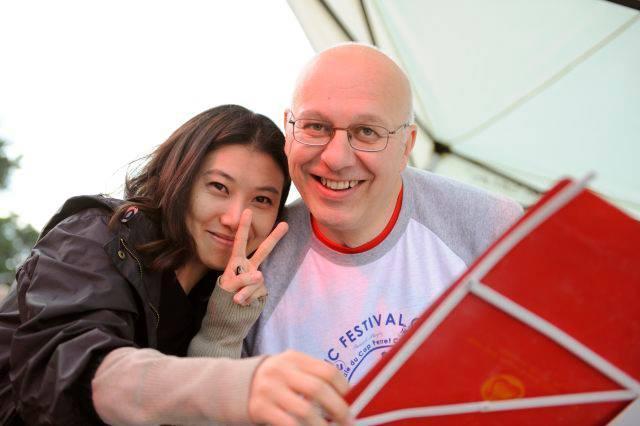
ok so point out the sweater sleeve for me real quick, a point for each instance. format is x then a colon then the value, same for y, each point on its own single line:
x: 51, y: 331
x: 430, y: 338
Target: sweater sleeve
x: 224, y: 326
x: 143, y: 387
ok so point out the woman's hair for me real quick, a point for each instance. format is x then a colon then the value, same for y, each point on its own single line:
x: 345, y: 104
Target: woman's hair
x: 162, y: 187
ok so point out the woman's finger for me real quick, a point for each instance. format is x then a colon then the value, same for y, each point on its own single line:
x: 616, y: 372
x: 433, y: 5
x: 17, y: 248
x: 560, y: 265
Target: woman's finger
x: 239, y: 249
x: 233, y: 283
x: 311, y: 378
x: 329, y: 374
x: 277, y: 416
x: 271, y: 395
x: 248, y: 294
x: 268, y: 244
x: 264, y: 410
x: 303, y: 409
x: 322, y: 392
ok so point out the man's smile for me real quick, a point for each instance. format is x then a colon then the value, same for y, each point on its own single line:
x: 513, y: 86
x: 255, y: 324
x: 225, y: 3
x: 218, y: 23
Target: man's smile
x: 337, y: 185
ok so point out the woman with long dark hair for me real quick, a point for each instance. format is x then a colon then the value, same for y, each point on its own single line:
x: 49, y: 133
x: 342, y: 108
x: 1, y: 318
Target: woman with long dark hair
x: 105, y: 306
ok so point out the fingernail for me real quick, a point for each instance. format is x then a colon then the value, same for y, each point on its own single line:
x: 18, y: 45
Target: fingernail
x: 239, y: 300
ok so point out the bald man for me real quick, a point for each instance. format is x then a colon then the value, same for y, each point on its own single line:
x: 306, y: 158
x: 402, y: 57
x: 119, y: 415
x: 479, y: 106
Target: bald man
x: 373, y: 242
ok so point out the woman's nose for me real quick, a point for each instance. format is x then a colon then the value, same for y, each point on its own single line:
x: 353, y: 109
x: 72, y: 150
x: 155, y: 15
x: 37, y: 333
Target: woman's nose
x: 231, y: 217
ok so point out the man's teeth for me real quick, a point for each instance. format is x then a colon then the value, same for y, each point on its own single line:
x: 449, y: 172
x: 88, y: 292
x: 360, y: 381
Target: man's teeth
x: 338, y: 184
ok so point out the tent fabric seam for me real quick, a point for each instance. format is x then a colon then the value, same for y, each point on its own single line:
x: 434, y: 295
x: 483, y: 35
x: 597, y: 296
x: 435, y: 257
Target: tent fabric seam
x: 545, y: 84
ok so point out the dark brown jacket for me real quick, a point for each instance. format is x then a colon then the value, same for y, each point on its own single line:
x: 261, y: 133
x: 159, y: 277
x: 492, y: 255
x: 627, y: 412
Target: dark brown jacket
x: 82, y: 292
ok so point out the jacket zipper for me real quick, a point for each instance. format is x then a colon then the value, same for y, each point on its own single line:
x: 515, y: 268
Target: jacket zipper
x: 153, y: 308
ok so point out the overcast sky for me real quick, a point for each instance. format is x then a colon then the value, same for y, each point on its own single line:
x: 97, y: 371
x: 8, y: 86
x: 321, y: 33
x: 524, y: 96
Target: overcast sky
x: 87, y: 87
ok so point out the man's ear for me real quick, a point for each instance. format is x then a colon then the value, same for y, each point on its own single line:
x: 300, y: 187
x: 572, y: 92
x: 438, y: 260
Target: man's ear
x: 287, y: 138
x: 410, y: 140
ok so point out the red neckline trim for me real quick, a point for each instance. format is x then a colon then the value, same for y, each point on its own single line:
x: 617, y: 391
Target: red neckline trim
x: 366, y: 246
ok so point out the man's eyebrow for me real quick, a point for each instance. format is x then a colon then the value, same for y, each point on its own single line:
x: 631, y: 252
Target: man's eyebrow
x: 368, y: 119
x: 312, y: 115
x: 357, y: 119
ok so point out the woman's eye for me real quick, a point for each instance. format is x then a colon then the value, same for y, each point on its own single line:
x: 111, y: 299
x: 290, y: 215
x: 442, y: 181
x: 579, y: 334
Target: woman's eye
x: 264, y: 200
x: 218, y: 186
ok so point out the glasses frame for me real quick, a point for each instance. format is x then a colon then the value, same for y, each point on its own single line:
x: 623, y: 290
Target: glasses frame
x: 346, y: 129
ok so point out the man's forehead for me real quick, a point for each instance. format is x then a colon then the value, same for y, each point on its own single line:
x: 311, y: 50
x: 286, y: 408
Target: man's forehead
x: 359, y: 102
x: 364, y: 86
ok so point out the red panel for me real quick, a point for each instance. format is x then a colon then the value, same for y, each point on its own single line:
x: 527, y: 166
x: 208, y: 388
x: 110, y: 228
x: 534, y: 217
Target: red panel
x: 579, y: 270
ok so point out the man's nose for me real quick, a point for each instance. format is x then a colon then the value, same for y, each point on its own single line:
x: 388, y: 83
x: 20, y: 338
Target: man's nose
x: 338, y: 154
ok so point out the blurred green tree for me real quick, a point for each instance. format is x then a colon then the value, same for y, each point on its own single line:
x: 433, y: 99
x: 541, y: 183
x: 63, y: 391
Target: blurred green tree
x: 15, y: 240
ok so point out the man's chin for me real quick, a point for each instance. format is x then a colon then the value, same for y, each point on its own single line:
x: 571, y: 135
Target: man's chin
x: 336, y: 221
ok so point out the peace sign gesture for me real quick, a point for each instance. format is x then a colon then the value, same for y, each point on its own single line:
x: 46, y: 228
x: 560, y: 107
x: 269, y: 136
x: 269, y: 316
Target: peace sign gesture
x: 241, y: 276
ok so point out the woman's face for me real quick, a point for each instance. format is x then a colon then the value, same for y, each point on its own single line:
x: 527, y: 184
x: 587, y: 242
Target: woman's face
x: 232, y: 178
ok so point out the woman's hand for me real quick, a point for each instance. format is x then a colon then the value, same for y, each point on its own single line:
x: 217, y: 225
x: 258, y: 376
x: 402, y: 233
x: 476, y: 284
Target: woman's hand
x: 241, y: 276
x: 292, y: 388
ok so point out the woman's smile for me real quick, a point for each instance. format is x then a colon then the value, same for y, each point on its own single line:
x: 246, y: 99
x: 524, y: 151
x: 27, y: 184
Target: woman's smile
x: 223, y: 239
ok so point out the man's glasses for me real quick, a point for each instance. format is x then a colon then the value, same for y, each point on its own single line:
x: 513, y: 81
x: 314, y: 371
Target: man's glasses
x: 362, y: 137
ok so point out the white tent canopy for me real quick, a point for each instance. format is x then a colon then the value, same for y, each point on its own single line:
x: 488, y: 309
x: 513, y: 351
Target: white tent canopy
x: 511, y: 95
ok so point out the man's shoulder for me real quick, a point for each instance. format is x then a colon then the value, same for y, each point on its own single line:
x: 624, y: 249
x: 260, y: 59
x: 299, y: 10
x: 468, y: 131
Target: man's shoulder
x: 295, y: 240
x: 467, y: 219
x: 437, y: 193
x: 296, y: 213
x: 441, y: 183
